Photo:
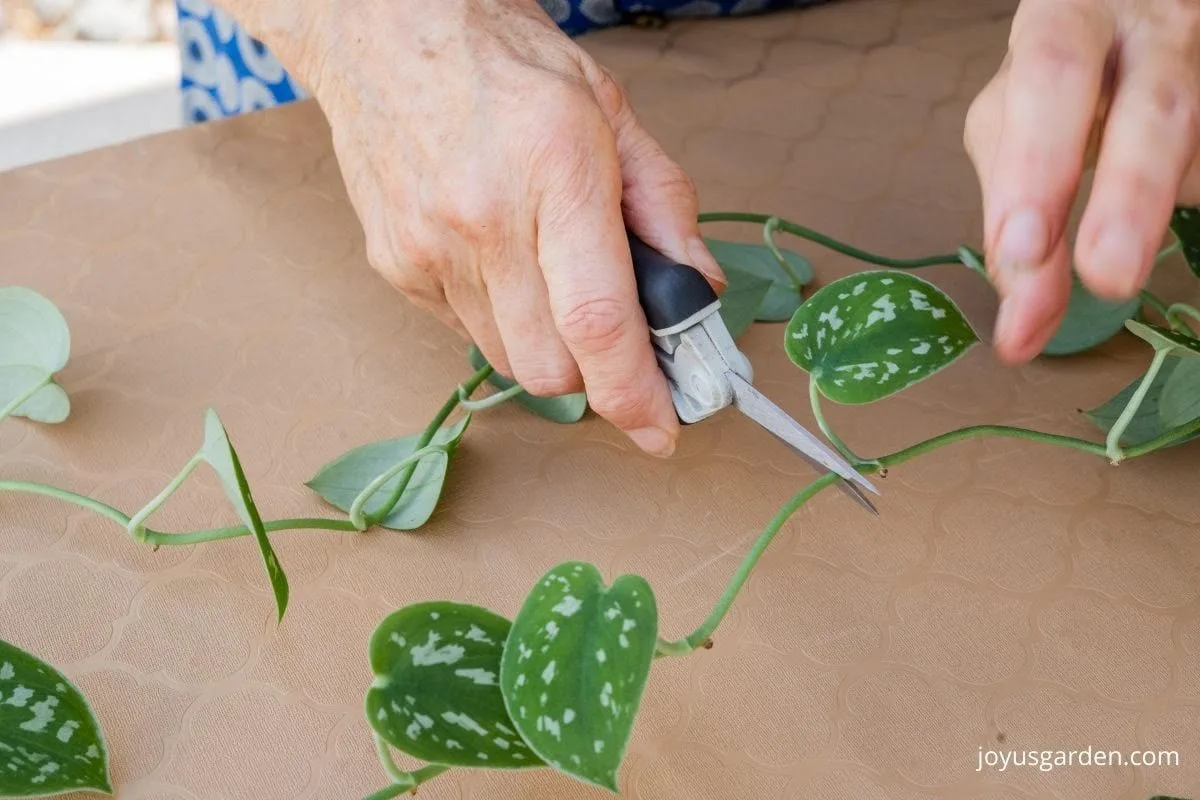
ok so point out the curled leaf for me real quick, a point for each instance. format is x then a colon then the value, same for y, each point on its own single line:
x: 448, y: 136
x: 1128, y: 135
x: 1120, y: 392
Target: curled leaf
x: 869, y: 335
x: 436, y: 694
x: 575, y: 666
x: 340, y: 481
x: 50, y: 741
x: 564, y: 409
x: 219, y: 454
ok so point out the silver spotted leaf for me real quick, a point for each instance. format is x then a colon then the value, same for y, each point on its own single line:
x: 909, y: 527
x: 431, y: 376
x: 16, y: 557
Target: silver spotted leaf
x: 50, y: 741
x: 1185, y: 224
x: 1174, y: 342
x: 872, y: 334
x: 742, y: 298
x: 219, y: 454
x: 436, y: 694
x: 575, y: 667
x: 564, y: 409
x: 1180, y: 401
x: 1147, y: 423
x: 782, y: 298
x: 341, y: 481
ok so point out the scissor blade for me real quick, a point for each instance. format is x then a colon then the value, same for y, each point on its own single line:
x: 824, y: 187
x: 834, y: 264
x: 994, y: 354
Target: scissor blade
x: 778, y: 422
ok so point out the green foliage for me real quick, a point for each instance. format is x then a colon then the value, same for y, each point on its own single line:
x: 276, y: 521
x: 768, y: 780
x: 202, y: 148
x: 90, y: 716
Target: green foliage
x: 1185, y: 224
x: 1175, y: 343
x: 1147, y: 423
x: 565, y: 409
x: 50, y: 741
x: 1089, y: 321
x: 342, y: 480
x: 784, y: 296
x: 1180, y: 403
x: 219, y: 454
x: 742, y: 299
x: 869, y: 335
x: 35, y: 344
x: 575, y: 666
x: 436, y: 694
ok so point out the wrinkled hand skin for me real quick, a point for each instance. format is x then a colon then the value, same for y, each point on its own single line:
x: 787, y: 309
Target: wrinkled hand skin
x: 494, y: 166
x: 1109, y: 85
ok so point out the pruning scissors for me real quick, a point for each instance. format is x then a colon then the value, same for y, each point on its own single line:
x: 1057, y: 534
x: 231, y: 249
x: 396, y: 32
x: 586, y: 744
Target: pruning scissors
x: 705, y: 369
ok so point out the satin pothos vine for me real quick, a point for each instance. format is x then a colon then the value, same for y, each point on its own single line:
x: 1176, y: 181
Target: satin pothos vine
x: 559, y: 685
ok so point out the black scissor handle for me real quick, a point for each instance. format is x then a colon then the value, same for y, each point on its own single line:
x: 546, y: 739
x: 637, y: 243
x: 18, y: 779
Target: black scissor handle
x: 670, y: 292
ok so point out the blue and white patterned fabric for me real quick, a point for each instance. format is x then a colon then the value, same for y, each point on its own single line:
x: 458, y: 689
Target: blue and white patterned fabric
x: 226, y: 72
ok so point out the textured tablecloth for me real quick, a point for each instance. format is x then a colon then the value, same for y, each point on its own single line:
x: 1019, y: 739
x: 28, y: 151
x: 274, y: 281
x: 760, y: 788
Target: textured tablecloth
x: 1012, y: 595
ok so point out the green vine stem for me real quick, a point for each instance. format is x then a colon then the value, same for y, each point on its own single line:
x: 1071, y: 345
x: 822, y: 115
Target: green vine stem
x: 769, y: 229
x: 409, y: 462
x: 135, y: 525
x: 1113, y: 450
x: 467, y: 404
x: 814, y: 397
x: 20, y: 400
x: 426, y: 437
x: 1155, y: 302
x: 402, y: 781
x: 828, y: 241
x: 1174, y: 315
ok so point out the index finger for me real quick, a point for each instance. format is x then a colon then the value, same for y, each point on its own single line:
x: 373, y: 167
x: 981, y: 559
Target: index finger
x: 584, y: 255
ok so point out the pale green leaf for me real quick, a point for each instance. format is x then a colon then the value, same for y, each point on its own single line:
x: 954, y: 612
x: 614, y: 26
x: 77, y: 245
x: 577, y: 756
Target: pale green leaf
x: 50, y: 741
x: 564, y: 409
x: 1147, y: 422
x: 1185, y: 224
x: 575, y: 666
x: 436, y: 694
x: 742, y: 299
x: 869, y: 335
x: 49, y: 404
x: 1174, y: 342
x: 33, y: 331
x: 1180, y: 402
x: 343, y: 479
x: 782, y: 298
x: 220, y: 455
x: 1089, y: 321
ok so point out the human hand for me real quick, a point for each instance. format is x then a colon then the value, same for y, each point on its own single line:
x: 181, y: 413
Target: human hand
x: 494, y: 166
x: 1113, y: 84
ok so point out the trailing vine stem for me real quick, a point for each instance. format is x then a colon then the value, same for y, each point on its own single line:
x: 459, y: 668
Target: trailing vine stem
x: 828, y: 241
x: 1175, y: 314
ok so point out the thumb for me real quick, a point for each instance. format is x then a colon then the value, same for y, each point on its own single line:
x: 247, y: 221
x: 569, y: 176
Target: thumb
x: 658, y: 198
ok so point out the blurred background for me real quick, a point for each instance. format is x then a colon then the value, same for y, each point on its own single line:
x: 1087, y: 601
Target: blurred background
x: 79, y: 74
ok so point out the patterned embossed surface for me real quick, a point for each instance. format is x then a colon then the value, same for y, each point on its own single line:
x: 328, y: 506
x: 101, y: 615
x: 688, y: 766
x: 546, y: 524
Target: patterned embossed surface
x: 1011, y: 595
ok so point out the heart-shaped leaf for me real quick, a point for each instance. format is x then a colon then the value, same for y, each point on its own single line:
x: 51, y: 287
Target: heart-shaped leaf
x: 341, y: 481
x: 1147, y: 422
x: 575, y: 666
x: 50, y: 741
x: 741, y: 300
x: 782, y: 298
x: 1180, y: 402
x: 219, y: 454
x: 1185, y: 224
x: 1089, y: 321
x: 436, y: 694
x: 872, y: 334
x: 48, y: 402
x: 35, y: 344
x: 1174, y: 342
x: 564, y: 409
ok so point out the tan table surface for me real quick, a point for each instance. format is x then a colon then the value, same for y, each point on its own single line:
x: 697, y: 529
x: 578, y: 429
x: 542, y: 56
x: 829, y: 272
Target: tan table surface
x: 1010, y: 592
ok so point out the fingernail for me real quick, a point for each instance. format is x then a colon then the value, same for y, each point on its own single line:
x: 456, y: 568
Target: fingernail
x: 654, y: 441
x: 704, y: 261
x: 1023, y: 242
x: 1118, y: 257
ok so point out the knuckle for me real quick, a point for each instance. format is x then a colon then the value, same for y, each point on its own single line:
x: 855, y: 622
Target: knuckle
x: 551, y: 383
x: 471, y: 208
x: 596, y: 323
x: 1177, y: 104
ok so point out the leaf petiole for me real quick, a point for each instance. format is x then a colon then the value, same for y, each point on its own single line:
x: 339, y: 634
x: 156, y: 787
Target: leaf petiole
x: 135, y: 526
x: 465, y: 401
x: 20, y: 400
x: 1113, y: 442
x: 1173, y: 314
x: 814, y: 397
x: 769, y: 229
x: 357, y: 517
x: 402, y: 782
